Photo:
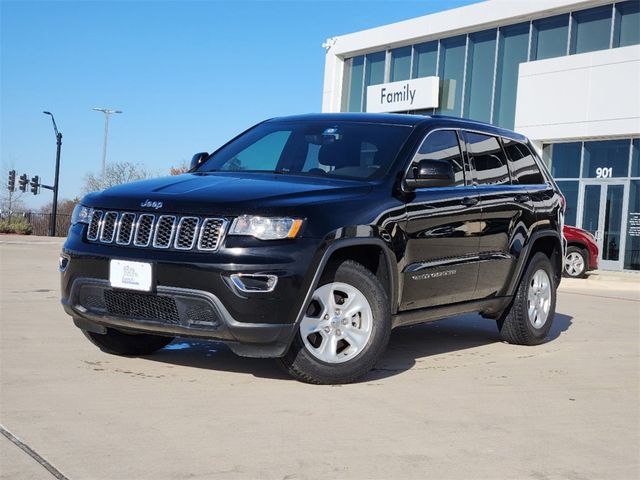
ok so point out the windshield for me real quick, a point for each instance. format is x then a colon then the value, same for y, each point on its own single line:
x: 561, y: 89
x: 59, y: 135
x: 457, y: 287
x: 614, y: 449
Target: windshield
x: 332, y: 149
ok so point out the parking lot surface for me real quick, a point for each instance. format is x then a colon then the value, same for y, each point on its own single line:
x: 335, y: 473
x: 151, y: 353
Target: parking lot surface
x: 449, y: 400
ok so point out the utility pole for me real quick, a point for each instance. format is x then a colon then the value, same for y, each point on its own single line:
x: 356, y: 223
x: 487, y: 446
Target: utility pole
x: 107, y: 112
x: 54, y: 208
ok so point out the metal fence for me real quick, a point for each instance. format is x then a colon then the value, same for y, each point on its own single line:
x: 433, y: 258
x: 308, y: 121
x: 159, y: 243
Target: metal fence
x: 40, y: 222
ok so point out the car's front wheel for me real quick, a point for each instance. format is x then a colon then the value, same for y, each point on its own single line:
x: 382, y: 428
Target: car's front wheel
x: 120, y: 343
x: 345, y: 328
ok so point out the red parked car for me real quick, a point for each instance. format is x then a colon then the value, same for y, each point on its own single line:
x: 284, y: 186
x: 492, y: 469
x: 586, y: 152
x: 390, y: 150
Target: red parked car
x: 582, y: 252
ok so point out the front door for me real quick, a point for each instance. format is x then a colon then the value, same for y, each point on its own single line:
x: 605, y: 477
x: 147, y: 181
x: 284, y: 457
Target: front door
x: 443, y: 231
x: 601, y: 204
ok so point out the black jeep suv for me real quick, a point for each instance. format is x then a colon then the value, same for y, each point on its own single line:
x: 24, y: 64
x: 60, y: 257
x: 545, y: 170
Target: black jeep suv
x: 308, y: 238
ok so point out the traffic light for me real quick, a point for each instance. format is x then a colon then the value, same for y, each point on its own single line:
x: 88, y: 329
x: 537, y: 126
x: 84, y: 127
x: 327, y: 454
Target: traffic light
x: 24, y: 180
x: 12, y: 181
x: 35, y: 185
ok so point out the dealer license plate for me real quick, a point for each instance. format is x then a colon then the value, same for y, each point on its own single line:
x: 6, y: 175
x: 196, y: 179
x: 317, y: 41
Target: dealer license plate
x: 130, y: 275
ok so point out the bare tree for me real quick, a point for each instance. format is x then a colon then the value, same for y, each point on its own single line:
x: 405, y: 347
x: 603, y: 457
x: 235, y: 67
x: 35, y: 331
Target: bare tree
x: 65, y: 206
x: 183, y: 167
x: 115, y: 174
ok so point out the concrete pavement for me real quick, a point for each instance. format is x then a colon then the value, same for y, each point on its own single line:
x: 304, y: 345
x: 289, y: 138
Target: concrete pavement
x: 448, y: 400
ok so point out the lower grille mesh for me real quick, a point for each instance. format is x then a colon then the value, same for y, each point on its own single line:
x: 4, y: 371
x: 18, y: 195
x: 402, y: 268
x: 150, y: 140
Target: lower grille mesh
x: 138, y: 305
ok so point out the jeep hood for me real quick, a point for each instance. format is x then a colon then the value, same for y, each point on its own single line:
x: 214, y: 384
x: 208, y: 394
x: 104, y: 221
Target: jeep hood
x: 227, y: 193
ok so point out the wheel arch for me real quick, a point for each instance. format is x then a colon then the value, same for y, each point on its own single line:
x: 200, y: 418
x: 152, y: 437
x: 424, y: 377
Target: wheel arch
x: 373, y: 254
x: 547, y: 242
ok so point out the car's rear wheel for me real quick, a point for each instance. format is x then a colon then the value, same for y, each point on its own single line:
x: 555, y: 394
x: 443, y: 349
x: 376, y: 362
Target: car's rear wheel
x: 345, y: 328
x: 529, y: 319
x: 117, y: 342
x: 575, y: 262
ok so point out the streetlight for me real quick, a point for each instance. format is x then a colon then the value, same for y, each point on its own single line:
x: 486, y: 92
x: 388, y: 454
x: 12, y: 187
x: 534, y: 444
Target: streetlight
x: 54, y: 207
x: 107, y: 112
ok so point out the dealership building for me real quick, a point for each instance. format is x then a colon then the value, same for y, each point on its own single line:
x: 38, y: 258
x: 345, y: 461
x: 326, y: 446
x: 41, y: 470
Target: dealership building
x: 564, y: 73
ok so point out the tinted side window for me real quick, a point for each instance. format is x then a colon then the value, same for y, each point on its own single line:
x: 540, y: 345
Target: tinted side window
x: 523, y: 166
x: 442, y: 145
x: 488, y: 159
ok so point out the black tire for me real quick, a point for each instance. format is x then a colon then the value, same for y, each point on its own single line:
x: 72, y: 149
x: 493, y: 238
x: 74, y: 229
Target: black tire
x: 514, y: 325
x: 301, y: 364
x: 571, y: 272
x: 116, y: 342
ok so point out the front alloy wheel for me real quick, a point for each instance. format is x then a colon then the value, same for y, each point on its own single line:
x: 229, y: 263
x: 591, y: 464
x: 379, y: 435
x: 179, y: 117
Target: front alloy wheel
x: 337, y: 325
x: 344, y: 330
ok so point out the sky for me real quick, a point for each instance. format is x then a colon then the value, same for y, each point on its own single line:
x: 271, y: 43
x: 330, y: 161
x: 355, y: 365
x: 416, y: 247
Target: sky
x: 188, y: 75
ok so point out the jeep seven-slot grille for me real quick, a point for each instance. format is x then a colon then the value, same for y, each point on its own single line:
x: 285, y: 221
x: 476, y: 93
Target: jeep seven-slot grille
x: 156, y: 231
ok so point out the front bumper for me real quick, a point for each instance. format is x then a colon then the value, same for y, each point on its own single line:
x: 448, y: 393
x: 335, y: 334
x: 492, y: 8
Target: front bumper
x: 192, y: 294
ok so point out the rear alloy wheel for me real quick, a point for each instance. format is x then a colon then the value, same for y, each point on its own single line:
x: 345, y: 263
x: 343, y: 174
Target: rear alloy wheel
x: 529, y: 319
x: 575, y: 263
x: 344, y: 330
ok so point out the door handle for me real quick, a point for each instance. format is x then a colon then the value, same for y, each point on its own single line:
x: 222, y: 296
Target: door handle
x: 522, y: 198
x: 469, y: 201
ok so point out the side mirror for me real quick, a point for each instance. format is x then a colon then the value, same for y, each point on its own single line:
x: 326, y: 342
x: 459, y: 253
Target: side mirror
x: 197, y: 160
x: 431, y: 173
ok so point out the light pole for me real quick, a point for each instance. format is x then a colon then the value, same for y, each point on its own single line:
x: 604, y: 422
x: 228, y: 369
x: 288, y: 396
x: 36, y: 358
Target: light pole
x: 107, y: 112
x: 54, y: 207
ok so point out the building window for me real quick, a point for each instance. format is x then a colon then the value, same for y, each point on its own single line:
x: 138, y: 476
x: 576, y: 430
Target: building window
x: 354, y: 69
x: 591, y: 29
x: 512, y: 51
x: 635, y: 158
x: 570, y: 191
x: 451, y: 73
x: 564, y: 159
x: 632, y: 246
x: 549, y: 37
x: 425, y: 58
x: 400, y: 64
x: 373, y: 73
x: 479, y: 85
x: 605, y: 159
x: 626, y: 30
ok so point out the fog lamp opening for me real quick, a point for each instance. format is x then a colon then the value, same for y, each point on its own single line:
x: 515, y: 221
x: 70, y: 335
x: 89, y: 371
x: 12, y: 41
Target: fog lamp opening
x: 251, y: 282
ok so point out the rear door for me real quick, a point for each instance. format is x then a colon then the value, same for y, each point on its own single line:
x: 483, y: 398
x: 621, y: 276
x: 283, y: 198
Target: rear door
x: 443, y: 226
x: 507, y: 214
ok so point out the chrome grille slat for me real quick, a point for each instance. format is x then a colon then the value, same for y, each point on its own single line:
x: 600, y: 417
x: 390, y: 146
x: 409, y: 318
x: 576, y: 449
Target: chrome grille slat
x: 94, y: 225
x: 211, y: 233
x: 108, y: 227
x: 125, y: 228
x: 165, y: 226
x: 144, y: 227
x: 186, y: 233
x: 147, y: 230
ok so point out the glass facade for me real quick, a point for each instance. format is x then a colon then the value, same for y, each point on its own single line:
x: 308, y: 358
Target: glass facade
x: 425, y: 59
x: 400, y: 64
x: 514, y: 41
x: 591, y: 29
x: 601, y: 184
x: 451, y: 73
x: 626, y: 29
x: 477, y: 85
x: 606, y: 159
x: 549, y: 37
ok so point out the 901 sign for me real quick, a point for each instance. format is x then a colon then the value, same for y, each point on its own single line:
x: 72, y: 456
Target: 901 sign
x: 604, y: 172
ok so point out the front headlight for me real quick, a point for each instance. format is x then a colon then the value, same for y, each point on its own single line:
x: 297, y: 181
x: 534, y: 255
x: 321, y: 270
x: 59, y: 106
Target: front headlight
x: 266, y: 228
x: 81, y: 214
